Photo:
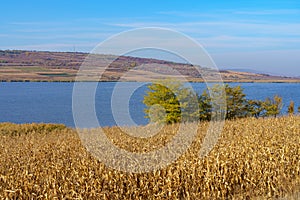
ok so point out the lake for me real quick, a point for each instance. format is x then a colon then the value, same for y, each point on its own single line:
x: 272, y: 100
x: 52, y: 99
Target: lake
x: 51, y: 102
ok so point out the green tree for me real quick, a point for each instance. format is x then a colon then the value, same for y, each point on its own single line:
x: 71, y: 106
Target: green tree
x: 268, y: 107
x: 234, y: 106
x: 218, y: 101
x: 273, y: 106
x: 170, y: 101
x: 291, y: 108
x: 254, y: 108
x: 236, y: 102
x: 205, y: 107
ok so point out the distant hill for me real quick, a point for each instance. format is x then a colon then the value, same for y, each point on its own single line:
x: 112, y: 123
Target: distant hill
x: 19, y: 65
x: 248, y: 70
x: 252, y: 71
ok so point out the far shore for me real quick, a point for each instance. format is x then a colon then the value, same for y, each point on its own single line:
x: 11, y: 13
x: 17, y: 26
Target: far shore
x: 40, y: 66
x: 193, y: 81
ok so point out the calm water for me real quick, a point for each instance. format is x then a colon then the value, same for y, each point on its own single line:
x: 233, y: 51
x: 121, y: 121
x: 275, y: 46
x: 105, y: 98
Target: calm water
x: 52, y: 102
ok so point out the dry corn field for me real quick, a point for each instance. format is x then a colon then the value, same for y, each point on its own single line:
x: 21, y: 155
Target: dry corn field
x: 253, y: 159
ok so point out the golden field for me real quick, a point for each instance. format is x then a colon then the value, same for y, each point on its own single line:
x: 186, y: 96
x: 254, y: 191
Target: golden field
x: 253, y: 159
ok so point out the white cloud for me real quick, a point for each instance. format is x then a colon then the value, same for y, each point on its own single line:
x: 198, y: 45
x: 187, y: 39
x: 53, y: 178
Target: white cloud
x: 269, y: 12
x: 222, y: 27
x: 187, y: 14
x: 248, y: 43
x: 221, y: 13
x: 54, y: 47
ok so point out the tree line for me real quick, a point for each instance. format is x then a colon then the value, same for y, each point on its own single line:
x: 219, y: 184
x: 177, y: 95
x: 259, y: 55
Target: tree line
x: 171, y: 102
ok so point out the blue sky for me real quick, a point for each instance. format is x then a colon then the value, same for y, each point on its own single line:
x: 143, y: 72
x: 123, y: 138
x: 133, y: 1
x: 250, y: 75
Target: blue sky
x: 260, y: 35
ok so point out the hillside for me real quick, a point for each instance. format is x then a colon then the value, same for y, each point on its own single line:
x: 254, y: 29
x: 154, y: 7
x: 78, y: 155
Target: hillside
x: 17, y: 65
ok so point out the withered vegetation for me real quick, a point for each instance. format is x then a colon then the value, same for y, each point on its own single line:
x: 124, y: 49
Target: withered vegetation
x: 253, y: 159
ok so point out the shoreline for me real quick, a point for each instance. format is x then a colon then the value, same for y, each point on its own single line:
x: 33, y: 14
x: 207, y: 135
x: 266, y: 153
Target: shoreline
x: 128, y: 81
x: 3, y: 123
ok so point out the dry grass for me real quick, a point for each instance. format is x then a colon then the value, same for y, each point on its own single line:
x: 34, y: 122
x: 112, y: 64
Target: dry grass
x: 254, y: 159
